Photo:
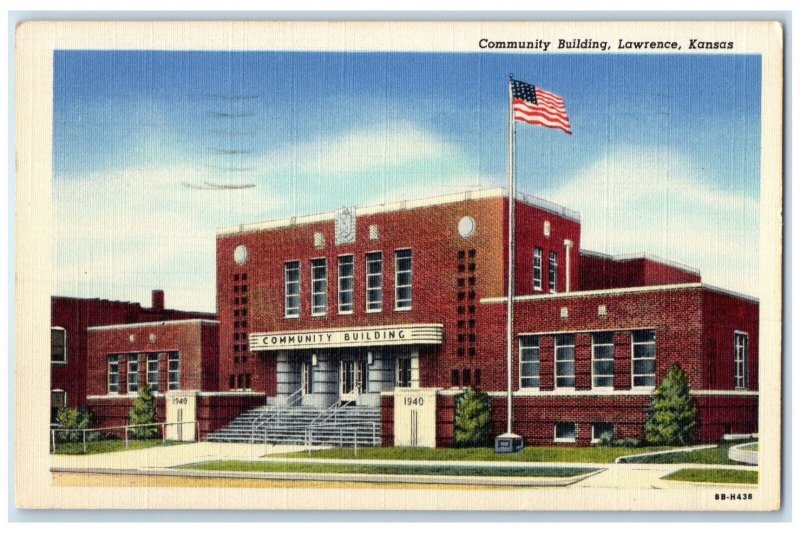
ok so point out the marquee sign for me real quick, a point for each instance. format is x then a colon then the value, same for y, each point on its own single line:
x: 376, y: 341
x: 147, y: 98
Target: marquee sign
x: 345, y: 337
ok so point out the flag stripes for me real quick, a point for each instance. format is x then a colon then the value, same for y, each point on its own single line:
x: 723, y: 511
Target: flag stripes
x: 538, y: 107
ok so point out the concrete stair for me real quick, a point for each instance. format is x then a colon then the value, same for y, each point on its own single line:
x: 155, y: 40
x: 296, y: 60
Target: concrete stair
x: 344, y: 425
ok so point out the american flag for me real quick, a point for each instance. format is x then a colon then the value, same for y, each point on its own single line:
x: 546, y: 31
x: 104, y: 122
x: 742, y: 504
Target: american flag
x: 539, y: 107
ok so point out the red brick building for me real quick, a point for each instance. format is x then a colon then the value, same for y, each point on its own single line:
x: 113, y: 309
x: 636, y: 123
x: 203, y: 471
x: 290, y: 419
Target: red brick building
x: 69, y: 340
x: 370, y: 305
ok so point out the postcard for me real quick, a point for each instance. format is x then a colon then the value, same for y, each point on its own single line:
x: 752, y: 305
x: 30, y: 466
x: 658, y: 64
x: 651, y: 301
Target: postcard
x: 399, y: 265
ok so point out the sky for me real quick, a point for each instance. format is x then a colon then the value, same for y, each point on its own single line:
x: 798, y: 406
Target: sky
x: 151, y: 147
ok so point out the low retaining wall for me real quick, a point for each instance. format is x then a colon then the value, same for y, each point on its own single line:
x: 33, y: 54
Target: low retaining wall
x: 740, y: 455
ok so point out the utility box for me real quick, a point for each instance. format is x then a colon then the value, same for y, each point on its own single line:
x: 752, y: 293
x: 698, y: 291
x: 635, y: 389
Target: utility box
x: 508, y: 443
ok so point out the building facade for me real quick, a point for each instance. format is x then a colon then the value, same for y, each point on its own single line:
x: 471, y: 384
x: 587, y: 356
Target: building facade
x: 402, y: 307
x: 70, y: 320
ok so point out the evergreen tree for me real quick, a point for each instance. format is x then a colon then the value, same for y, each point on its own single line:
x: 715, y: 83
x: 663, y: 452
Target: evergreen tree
x: 673, y: 415
x: 473, y: 424
x: 144, y: 412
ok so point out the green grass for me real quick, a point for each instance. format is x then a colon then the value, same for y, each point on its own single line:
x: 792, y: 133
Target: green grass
x: 708, y: 456
x: 715, y: 475
x: 108, y: 446
x: 751, y: 447
x: 538, y: 454
x: 349, y: 468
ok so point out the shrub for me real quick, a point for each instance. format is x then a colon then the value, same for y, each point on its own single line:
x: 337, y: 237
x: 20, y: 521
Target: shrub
x: 473, y: 424
x: 143, y: 412
x: 71, y: 418
x: 673, y: 415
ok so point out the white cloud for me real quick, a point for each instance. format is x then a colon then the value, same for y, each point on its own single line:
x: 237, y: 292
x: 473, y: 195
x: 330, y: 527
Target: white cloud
x: 120, y: 234
x: 372, y: 148
x: 655, y: 201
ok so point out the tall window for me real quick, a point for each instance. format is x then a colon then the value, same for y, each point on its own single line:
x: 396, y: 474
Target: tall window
x: 152, y: 371
x: 603, y: 359
x: 306, y: 376
x: 319, y: 287
x: 644, y: 358
x: 174, y: 371
x: 133, y: 372
x: 374, y: 281
x: 113, y: 373
x: 529, y: 360
x: 552, y: 273
x: 58, y: 345
x: 565, y: 360
x: 740, y: 358
x: 403, y: 372
x: 402, y: 279
x: 537, y: 269
x: 292, y: 289
x: 346, y: 270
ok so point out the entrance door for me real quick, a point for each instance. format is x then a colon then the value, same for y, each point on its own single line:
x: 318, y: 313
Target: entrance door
x: 351, y: 379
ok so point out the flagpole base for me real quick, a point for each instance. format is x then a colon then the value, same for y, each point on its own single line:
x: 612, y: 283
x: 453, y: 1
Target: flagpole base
x: 508, y: 443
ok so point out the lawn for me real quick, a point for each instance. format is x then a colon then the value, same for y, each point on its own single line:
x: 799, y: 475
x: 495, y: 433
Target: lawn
x: 533, y: 454
x: 708, y: 456
x: 751, y: 447
x: 715, y: 475
x: 108, y: 446
x: 387, y: 470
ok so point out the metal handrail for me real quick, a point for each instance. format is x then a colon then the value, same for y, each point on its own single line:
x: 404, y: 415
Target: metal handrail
x: 263, y: 419
x: 127, y: 428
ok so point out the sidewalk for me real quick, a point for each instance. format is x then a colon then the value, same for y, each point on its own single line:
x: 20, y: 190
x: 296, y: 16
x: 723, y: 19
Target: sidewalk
x: 167, y: 456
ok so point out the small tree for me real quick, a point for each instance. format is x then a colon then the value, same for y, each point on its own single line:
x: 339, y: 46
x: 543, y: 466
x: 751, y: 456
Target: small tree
x: 473, y: 424
x: 71, y: 418
x: 673, y: 415
x: 143, y: 412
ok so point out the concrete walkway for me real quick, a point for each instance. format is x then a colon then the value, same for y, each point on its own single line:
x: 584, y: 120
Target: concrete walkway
x: 169, y: 456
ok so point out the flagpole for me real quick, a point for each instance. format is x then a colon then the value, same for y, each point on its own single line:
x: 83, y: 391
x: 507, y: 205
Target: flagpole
x: 512, y: 193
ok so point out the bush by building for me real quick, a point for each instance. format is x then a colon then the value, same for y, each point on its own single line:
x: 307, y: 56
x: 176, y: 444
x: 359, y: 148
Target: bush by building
x: 144, y: 412
x: 672, y: 413
x: 473, y: 423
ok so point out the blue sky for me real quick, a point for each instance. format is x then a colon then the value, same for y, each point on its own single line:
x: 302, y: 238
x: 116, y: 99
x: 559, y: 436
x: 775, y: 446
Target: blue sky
x: 662, y: 144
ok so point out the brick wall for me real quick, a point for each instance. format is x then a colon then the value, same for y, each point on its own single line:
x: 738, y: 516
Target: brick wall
x: 75, y: 315
x: 195, y: 340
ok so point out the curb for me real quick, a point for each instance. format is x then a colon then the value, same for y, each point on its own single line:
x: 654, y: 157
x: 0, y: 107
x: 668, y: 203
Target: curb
x: 344, y: 477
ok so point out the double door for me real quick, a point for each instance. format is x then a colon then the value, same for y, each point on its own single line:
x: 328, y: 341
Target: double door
x: 352, y: 378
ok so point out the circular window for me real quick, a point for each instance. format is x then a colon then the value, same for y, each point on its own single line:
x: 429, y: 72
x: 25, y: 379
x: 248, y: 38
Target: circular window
x: 240, y: 254
x: 466, y: 226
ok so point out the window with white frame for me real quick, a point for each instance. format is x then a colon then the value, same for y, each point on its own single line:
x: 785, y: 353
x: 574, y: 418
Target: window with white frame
x: 529, y: 361
x: 152, y: 371
x: 346, y: 271
x: 133, y: 372
x: 565, y: 360
x: 602, y: 431
x: 113, y: 373
x: 174, y: 371
x: 643, y: 344
x: 552, y: 272
x: 58, y: 345
x: 603, y: 359
x: 403, y: 372
x: 537, y: 269
x: 402, y: 279
x: 319, y: 287
x: 565, y: 432
x: 374, y: 281
x: 740, y: 358
x: 292, y: 289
